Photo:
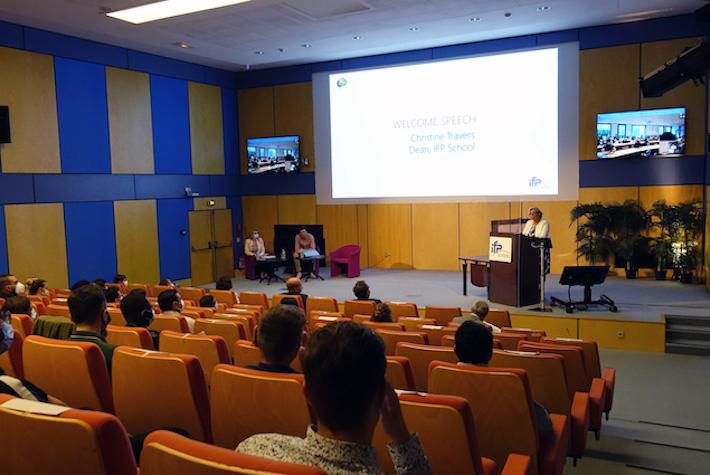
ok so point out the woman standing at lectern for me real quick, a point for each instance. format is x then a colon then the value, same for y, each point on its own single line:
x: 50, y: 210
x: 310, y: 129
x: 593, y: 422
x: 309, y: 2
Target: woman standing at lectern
x: 536, y: 226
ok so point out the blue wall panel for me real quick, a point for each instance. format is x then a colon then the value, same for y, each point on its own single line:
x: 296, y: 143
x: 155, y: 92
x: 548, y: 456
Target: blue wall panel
x: 170, y: 112
x: 272, y: 77
x: 150, y: 63
x: 170, y: 186
x: 388, y: 59
x: 490, y: 46
x: 224, y: 185
x: 16, y: 188
x: 235, y: 204
x: 3, y: 243
x: 174, y: 247
x: 280, y: 184
x: 59, y: 188
x: 82, y: 114
x: 76, y: 48
x: 11, y: 35
x: 682, y: 26
x: 91, y: 240
x: 231, y: 133
x: 688, y: 170
x: 327, y: 66
x: 556, y: 37
x: 220, y: 77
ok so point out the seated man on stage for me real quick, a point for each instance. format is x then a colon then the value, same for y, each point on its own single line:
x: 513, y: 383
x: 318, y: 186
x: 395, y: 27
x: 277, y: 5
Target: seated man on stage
x: 304, y: 241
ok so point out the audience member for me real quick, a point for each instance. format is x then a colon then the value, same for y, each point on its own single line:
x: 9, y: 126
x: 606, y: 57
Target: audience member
x: 8, y: 286
x: 344, y: 366
x: 166, y: 282
x: 383, y: 314
x: 20, y: 305
x: 39, y: 287
x: 79, y: 284
x: 112, y: 294
x: 479, y: 311
x: 171, y: 304
x: 362, y: 291
x: 474, y: 346
x: 101, y: 283
x: 279, y: 338
x: 295, y: 287
x: 7, y: 333
x: 87, y: 305
x: 138, y: 312
x: 122, y: 282
x: 208, y: 301
x: 224, y: 283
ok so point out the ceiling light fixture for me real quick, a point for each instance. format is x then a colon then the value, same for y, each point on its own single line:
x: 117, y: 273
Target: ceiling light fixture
x: 357, y: 37
x: 306, y: 45
x: 258, y: 52
x: 168, y: 9
x: 413, y: 28
x: 474, y: 19
x: 183, y: 45
x: 542, y: 8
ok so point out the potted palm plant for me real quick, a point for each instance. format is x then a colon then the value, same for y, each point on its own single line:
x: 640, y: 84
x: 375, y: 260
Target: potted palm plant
x: 686, y: 226
x: 660, y: 220
x: 628, y: 223
x: 594, y: 222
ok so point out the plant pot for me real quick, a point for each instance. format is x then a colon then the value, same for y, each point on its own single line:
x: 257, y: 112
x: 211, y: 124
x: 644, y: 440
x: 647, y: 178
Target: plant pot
x: 630, y: 273
x: 686, y: 278
x: 661, y: 274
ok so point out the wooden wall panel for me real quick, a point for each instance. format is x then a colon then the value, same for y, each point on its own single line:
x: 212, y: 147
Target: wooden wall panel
x: 261, y: 213
x: 564, y: 247
x: 553, y: 326
x: 297, y: 209
x: 137, y: 240
x: 475, y: 225
x: 293, y: 115
x: 206, y: 129
x: 673, y: 194
x: 608, y: 82
x: 689, y: 95
x: 389, y: 231
x: 608, y: 195
x: 340, y: 226
x: 435, y: 236
x: 362, y: 235
x: 202, y: 203
x: 36, y: 244
x: 130, y: 122
x: 256, y: 117
x: 27, y: 86
x: 637, y: 336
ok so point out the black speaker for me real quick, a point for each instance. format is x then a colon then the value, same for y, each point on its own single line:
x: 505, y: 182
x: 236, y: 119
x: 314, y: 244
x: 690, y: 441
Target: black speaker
x: 4, y: 124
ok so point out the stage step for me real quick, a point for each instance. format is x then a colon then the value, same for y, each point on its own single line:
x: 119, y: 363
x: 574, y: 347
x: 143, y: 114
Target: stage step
x: 688, y: 334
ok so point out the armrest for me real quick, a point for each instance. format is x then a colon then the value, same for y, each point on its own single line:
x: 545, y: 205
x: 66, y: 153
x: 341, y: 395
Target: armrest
x: 609, y: 377
x: 516, y: 465
x: 553, y: 448
x: 580, y: 410
x: 597, y: 401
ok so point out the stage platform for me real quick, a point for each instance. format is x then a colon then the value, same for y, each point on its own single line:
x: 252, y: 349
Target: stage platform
x: 638, y: 325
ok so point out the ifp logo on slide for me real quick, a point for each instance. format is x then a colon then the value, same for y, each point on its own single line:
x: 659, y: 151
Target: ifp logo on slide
x: 342, y: 82
x: 496, y: 247
x: 534, y: 182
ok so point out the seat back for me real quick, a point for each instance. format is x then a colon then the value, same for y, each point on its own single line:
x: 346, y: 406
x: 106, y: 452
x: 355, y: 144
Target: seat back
x: 442, y: 315
x: 135, y: 337
x: 246, y: 402
x: 328, y: 304
x: 75, y: 441
x: 211, y: 350
x: 168, y: 453
x: 433, y: 332
x: 254, y: 298
x: 392, y: 337
x: 246, y: 320
x: 411, y: 324
x: 246, y: 353
x: 172, y: 323
x: 143, y: 287
x: 399, y: 373
x: 362, y: 318
x: 226, y: 297
x: 153, y: 390
x: 59, y: 311
x: 155, y: 290
x: 277, y: 299
x: 590, y: 350
x: 117, y: 317
x: 22, y: 324
x: 575, y: 371
x: 421, y: 356
x: 192, y: 293
x: 11, y: 360
x: 72, y: 371
x: 509, y: 340
x: 502, y: 402
x: 403, y: 309
x: 498, y: 317
x: 532, y: 334
x: 448, y: 340
x: 360, y: 307
x: 230, y: 331
x: 257, y: 310
x: 382, y: 325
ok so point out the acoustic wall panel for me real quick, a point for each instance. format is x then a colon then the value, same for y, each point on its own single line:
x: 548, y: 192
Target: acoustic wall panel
x: 173, y: 244
x: 231, y: 132
x: 435, y: 236
x: 3, y: 242
x: 261, y: 213
x: 137, y: 240
x: 91, y: 242
x: 297, y: 209
x: 389, y: 236
x: 170, y: 113
x: 293, y: 115
x: 206, y: 129
x: 256, y: 117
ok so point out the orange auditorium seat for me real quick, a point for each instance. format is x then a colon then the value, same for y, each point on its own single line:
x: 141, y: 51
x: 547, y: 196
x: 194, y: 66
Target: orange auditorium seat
x: 328, y: 304
x: 58, y: 311
x: 230, y: 331
x: 360, y: 307
x: 11, y: 360
x: 117, y: 318
x: 392, y: 337
x: 204, y: 312
x: 447, y: 431
x: 384, y: 326
x: 254, y: 298
x: 421, y: 356
x: 168, y: 453
x: 192, y: 293
x: 531, y: 334
x: 195, y: 313
x: 72, y: 371
x: 434, y: 332
x: 412, y: 323
x: 22, y: 324
x: 399, y: 373
x: 442, y: 315
x: 448, y: 340
x: 154, y: 389
x: 257, y: 310
x: 316, y: 314
x: 403, y: 309
x: 276, y: 299
x: 247, y: 319
x: 246, y: 353
x: 504, y: 425
x: 361, y: 318
x: 135, y: 337
x: 498, y: 317
x: 226, y: 297
x: 75, y: 441
x: 176, y: 324
x: 509, y: 340
x: 548, y: 383
x: 246, y: 402
x: 43, y: 299
x: 143, y: 287
x: 155, y: 290
x: 211, y: 350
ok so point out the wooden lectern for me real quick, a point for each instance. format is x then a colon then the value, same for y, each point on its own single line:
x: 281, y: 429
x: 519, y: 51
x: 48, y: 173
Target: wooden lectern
x: 515, y: 283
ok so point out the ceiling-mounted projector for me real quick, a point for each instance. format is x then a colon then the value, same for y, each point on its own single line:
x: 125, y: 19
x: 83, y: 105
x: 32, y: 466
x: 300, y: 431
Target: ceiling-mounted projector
x: 693, y: 63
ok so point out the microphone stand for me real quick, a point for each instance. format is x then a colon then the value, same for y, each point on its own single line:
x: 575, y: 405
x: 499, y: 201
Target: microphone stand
x: 541, y: 245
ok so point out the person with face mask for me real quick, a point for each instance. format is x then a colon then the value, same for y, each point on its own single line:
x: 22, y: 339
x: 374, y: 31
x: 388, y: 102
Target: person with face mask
x: 254, y: 246
x: 87, y: 306
x: 171, y: 304
x: 7, y: 333
x: 122, y: 282
x: 9, y: 285
x: 20, y: 305
x: 39, y: 287
x: 138, y: 312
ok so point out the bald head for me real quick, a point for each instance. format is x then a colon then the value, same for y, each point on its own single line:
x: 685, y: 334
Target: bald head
x: 294, y: 285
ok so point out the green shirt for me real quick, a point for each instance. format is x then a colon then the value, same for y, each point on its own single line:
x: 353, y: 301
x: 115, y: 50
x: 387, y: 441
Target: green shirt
x: 91, y: 337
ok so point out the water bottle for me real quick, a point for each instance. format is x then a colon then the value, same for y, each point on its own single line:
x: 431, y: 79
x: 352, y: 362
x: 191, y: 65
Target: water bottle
x: 283, y: 254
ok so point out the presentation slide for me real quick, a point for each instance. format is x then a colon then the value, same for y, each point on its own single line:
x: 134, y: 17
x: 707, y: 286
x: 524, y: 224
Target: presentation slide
x: 485, y: 126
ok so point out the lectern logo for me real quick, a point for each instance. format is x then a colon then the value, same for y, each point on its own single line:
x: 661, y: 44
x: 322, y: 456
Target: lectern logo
x: 496, y: 247
x: 500, y: 249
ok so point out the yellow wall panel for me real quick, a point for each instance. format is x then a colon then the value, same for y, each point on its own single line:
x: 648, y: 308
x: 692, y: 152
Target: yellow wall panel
x: 36, y: 245
x: 27, y: 86
x: 256, y: 117
x: 293, y: 115
x: 608, y: 81
x: 261, y: 213
x: 624, y: 335
x: 203, y: 203
x: 673, y: 194
x: 297, y: 209
x: 362, y: 235
x: 130, y: 122
x: 654, y: 55
x: 435, y: 236
x: 564, y: 247
x: 137, y: 240
x: 553, y: 326
x: 475, y: 225
x: 340, y: 226
x: 206, y: 129
x: 617, y: 194
x: 389, y: 236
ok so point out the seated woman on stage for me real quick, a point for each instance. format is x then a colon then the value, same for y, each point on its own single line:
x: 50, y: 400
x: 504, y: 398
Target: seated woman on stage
x: 254, y: 246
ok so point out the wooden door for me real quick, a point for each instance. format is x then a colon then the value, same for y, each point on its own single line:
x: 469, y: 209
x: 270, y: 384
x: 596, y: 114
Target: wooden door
x: 201, y: 254
x: 224, y: 251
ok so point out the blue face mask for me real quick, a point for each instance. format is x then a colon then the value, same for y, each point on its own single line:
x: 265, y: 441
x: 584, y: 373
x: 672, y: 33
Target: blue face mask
x: 8, y: 335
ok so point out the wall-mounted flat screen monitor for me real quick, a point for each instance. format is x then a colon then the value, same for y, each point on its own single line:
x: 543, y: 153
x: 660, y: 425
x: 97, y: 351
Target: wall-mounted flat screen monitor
x: 641, y: 134
x: 273, y: 155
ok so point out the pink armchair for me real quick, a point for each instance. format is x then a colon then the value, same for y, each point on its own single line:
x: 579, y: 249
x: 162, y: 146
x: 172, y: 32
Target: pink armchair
x: 347, y: 256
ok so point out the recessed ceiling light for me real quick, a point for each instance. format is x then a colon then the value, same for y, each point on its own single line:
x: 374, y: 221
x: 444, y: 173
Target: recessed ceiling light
x: 474, y: 19
x: 413, y: 28
x: 167, y: 9
x: 306, y: 45
x: 543, y: 8
x: 507, y: 14
x: 280, y: 50
x: 183, y: 45
x: 357, y: 37
x: 259, y: 52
